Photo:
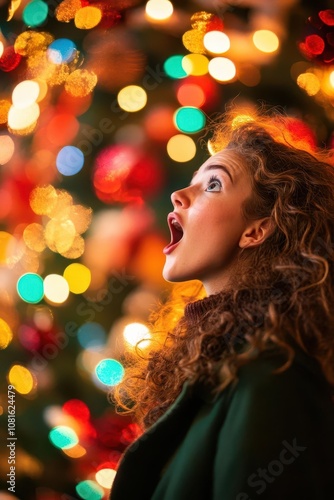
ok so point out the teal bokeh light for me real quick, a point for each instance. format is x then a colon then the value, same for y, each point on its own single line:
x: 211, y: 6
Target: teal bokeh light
x: 189, y: 119
x: 109, y: 371
x: 30, y: 288
x: 35, y: 13
x: 63, y: 437
x: 89, y: 490
x: 173, y: 67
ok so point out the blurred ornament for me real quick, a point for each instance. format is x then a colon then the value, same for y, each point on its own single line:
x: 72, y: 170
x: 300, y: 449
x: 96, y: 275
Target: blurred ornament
x: 125, y: 174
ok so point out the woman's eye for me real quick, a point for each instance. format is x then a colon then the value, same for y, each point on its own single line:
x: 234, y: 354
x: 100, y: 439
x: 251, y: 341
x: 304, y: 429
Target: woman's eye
x: 214, y: 185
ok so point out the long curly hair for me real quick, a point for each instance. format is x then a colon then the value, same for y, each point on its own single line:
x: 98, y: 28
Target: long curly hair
x: 282, y: 293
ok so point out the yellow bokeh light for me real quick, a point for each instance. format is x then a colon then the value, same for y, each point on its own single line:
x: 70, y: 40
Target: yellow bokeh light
x: 7, y: 148
x: 132, y: 98
x: 77, y: 451
x: 2, y: 48
x: 7, y: 244
x: 6, y: 334
x: 216, y: 42
x: 80, y: 82
x: 21, y: 119
x: 4, y: 108
x: 78, y: 277
x: 331, y: 78
x: 59, y: 235
x: 33, y: 237
x: 43, y: 199
x: 87, y: 17
x: 158, y: 10
x: 137, y: 332
x: 193, y: 41
x: 195, y: 64
x: 66, y: 10
x: 266, y: 41
x: 222, y: 69
x: 76, y: 250
x: 56, y: 288
x: 30, y: 41
x: 105, y: 477
x: 21, y: 378
x: 310, y: 83
x: 181, y: 148
x: 25, y: 94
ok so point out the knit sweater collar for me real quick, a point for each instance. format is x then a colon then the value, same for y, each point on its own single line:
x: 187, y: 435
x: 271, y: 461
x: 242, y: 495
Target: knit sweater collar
x: 195, y: 310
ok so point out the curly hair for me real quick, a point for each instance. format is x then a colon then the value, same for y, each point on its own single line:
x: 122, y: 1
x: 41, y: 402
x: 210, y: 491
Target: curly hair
x: 283, y: 292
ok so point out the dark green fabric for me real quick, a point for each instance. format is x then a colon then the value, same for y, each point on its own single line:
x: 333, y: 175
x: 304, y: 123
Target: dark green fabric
x: 267, y: 437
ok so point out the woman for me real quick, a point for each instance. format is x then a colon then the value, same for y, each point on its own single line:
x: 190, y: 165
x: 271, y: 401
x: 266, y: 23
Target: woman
x: 238, y: 401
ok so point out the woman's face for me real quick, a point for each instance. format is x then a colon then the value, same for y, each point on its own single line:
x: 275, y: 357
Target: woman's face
x: 207, y: 222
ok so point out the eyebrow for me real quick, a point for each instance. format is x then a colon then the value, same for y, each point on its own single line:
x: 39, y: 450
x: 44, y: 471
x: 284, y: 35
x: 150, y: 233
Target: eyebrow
x: 215, y: 166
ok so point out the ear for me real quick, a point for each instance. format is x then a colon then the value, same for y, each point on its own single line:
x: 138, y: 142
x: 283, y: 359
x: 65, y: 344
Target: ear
x: 256, y: 232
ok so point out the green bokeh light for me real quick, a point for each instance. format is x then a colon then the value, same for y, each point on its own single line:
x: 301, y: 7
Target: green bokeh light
x: 173, y: 67
x: 189, y: 119
x: 109, y: 372
x: 35, y: 13
x: 30, y: 288
x: 89, y: 490
x: 63, y: 437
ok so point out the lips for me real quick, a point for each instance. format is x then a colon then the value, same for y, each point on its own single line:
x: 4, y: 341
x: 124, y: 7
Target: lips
x: 176, y: 232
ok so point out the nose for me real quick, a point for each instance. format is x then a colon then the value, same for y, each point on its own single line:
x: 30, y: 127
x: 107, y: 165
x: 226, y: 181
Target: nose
x: 180, y: 198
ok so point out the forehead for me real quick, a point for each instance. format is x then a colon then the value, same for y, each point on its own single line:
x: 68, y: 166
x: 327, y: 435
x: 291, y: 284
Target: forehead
x: 227, y: 157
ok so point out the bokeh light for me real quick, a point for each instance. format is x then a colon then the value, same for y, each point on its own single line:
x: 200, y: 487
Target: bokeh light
x: 173, y: 67
x: 105, y: 477
x: 132, y: 98
x: 266, y: 41
x: 6, y: 334
x: 35, y: 13
x: 43, y: 199
x: 109, y: 371
x: 7, y: 148
x: 63, y: 437
x: 21, y: 378
x: 30, y: 288
x: 21, y: 120
x: 190, y: 94
x: 137, y: 332
x: 80, y: 82
x: 195, y: 64
x: 159, y: 10
x: 222, y: 69
x: 33, y: 236
x: 181, y: 148
x: 56, y: 288
x: 189, y: 119
x: 70, y: 160
x: 216, y: 42
x: 89, y: 490
x: 77, y: 409
x: 25, y: 94
x: 87, y: 17
x: 61, y: 51
x: 310, y: 83
x: 78, y: 277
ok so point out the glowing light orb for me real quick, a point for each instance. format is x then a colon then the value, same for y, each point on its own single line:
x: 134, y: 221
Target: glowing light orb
x: 21, y: 119
x: 137, y: 332
x: 190, y: 94
x: 91, y: 336
x: 109, y: 371
x: 80, y: 82
x: 159, y: 9
x: 61, y: 51
x: 222, y: 69
x: 78, y: 277
x: 181, y: 148
x: 132, y: 98
x: 1, y: 48
x: 193, y: 41
x: 6, y: 334
x: 310, y: 82
x: 35, y: 13
x: 77, y: 409
x: 56, y: 288
x: 216, y: 42
x: 189, y: 120
x: 266, y: 41
x: 7, y: 148
x: 173, y: 67
x: 21, y: 378
x: 4, y: 108
x: 43, y: 199
x: 87, y: 17
x: 89, y: 490
x: 63, y: 437
x: 70, y: 160
x: 195, y: 64
x: 105, y: 477
x: 25, y: 94
x: 30, y: 288
x: 33, y: 236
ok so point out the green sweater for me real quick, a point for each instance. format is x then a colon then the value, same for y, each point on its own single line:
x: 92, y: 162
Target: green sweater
x: 267, y: 437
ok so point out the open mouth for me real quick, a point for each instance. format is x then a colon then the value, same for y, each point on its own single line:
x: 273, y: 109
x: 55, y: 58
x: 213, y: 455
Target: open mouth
x: 176, y: 232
